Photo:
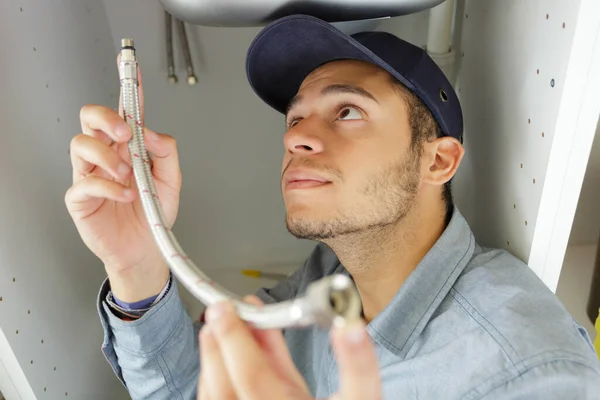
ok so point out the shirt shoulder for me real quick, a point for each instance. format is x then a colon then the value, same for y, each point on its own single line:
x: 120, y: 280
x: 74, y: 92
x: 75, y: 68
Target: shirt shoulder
x: 527, y: 326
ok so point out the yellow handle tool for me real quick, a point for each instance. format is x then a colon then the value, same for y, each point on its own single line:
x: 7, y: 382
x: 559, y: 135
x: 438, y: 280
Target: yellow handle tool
x: 254, y: 273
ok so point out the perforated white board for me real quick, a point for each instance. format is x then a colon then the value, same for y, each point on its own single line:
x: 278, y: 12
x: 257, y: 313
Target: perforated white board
x: 56, y: 56
x: 522, y: 82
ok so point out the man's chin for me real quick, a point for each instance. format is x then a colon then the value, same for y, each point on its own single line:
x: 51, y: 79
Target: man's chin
x: 304, y: 228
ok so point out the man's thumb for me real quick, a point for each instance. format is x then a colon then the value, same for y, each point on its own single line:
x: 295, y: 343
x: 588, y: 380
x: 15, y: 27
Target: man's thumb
x: 165, y: 158
x: 357, y: 363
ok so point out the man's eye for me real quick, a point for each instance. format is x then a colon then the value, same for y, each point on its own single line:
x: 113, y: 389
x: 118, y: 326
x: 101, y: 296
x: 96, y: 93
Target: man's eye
x: 346, y: 113
x: 350, y: 113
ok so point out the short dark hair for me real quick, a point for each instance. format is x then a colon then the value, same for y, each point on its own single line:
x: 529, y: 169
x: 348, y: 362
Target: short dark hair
x: 424, y: 127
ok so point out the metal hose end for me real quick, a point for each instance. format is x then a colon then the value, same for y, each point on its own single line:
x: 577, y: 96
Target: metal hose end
x: 127, y: 42
x: 192, y: 80
x: 333, y: 301
x: 128, y: 62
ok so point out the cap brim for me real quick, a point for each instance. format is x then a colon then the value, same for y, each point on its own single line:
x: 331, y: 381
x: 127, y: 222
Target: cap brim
x: 285, y: 52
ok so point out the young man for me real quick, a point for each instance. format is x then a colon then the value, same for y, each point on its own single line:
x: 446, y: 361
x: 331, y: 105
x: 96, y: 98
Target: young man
x: 373, y: 140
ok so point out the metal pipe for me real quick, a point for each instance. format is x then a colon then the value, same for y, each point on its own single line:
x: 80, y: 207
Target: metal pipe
x: 239, y: 13
x: 332, y: 300
x: 439, y: 38
x: 439, y: 35
x: 186, y: 52
x: 169, y: 47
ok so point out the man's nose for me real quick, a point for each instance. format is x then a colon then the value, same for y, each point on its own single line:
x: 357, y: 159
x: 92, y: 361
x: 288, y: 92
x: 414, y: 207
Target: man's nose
x: 303, y: 140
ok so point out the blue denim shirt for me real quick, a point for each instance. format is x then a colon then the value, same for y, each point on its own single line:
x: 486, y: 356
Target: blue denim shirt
x: 469, y: 323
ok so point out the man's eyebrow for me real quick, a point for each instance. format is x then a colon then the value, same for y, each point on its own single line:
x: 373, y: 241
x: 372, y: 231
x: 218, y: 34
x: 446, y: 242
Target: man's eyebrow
x: 334, y: 89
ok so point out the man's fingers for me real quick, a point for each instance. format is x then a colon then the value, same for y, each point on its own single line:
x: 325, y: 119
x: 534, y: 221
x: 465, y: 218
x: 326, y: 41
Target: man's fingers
x: 88, y: 152
x: 273, y: 344
x: 244, y: 360
x: 92, y: 187
x: 202, y: 393
x: 165, y: 158
x: 96, y: 118
x: 357, y: 363
x: 215, y: 381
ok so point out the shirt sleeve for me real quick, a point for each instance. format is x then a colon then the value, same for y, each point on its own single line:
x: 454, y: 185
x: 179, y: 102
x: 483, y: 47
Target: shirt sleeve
x: 138, y: 305
x: 157, y: 355
x: 131, y: 311
x: 554, y: 380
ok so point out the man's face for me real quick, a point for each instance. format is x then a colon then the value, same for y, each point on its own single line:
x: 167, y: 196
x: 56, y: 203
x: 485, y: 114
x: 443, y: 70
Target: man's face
x: 349, y: 164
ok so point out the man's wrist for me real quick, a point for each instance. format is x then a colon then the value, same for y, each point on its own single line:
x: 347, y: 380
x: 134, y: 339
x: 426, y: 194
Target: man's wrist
x: 139, y: 283
x: 133, y: 311
x: 142, y: 305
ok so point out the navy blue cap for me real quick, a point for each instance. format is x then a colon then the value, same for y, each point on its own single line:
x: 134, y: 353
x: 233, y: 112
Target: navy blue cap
x: 287, y: 50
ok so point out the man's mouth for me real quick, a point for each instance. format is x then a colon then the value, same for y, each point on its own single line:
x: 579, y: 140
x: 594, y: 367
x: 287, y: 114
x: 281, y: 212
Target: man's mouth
x: 303, y: 179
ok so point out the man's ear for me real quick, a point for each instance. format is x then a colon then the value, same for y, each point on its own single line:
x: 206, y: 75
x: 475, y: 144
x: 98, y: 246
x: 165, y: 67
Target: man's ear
x: 444, y: 157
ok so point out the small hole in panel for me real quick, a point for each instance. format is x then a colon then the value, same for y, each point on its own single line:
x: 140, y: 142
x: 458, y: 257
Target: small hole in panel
x: 543, y: 134
x: 45, y: 389
x: 534, y: 181
x: 537, y: 71
x: 525, y: 223
x: 467, y: 16
x: 42, y: 341
x: 564, y: 25
x: 508, y: 243
x: 31, y: 361
x: 46, y: 86
x: 528, y: 120
x: 14, y: 279
x: 21, y: 8
x: 552, y: 82
x: 57, y: 119
x: 66, y: 394
x: 443, y: 95
x: 55, y: 368
x: 34, y: 49
x: 17, y: 331
x: 28, y: 311
x: 0, y: 298
x: 514, y: 206
x: 547, y: 16
x: 521, y: 165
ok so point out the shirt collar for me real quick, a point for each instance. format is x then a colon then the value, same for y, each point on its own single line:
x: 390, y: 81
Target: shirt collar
x: 398, y: 326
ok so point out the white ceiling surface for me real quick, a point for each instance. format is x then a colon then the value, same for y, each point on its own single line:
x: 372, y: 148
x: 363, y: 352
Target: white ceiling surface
x: 230, y: 142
